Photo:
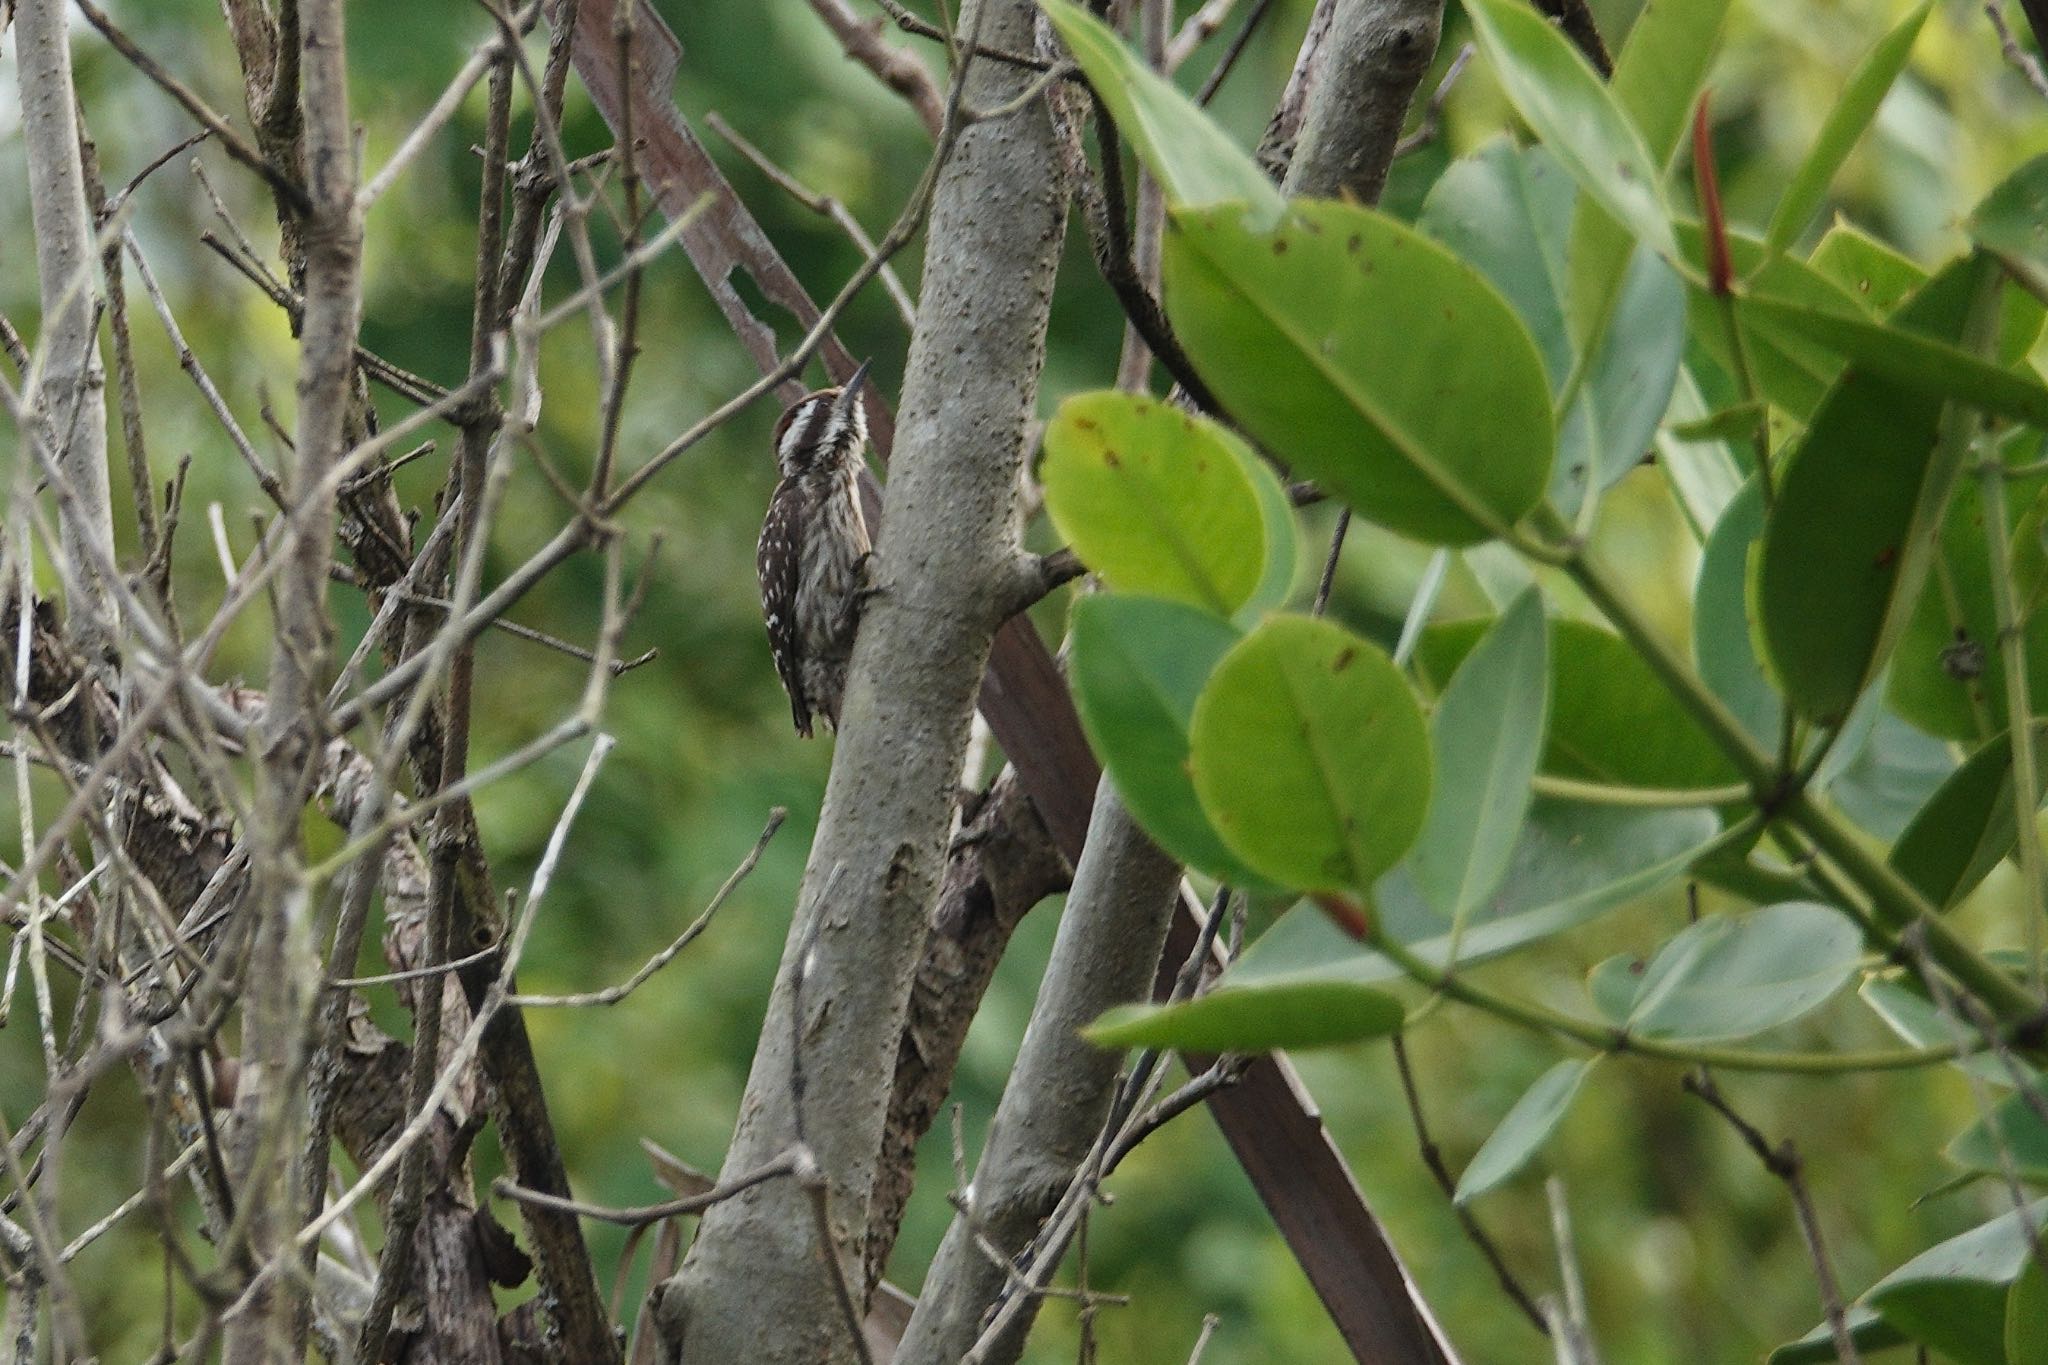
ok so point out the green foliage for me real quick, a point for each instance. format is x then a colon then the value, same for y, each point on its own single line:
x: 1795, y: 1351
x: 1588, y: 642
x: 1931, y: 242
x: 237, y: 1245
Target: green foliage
x: 1966, y: 828
x: 1138, y: 665
x: 1849, y: 539
x: 1734, y: 977
x: 1155, y: 500
x: 1310, y: 756
x: 1296, y: 1014
x: 1487, y: 736
x: 1844, y: 128
x: 1337, y: 339
x: 1577, y: 117
x: 1522, y: 1133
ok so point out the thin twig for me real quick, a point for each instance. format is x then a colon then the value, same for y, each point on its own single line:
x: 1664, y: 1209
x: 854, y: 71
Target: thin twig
x: 611, y: 995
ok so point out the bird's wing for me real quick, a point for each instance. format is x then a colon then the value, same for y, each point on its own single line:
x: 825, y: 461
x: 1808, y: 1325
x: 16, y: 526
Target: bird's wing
x: 777, y: 559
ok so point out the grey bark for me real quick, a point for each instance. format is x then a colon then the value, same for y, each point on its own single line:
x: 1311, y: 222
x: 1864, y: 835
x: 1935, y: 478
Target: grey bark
x: 754, y: 1286
x: 1372, y: 57
x: 270, y: 1106
x: 1110, y: 937
x: 1376, y: 54
x: 73, y: 403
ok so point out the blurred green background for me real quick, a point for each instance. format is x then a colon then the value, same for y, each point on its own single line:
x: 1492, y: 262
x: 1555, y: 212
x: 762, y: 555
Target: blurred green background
x: 1689, y: 1249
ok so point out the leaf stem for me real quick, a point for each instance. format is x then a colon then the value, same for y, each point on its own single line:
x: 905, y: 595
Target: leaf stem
x: 2012, y: 653
x: 1895, y: 902
x: 1608, y: 1038
x: 1642, y: 798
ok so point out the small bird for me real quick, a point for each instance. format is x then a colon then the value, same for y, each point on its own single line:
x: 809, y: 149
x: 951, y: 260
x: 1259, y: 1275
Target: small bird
x: 815, y: 552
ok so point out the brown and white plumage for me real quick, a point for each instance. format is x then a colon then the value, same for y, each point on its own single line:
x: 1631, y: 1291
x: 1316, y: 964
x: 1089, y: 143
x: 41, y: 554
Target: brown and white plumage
x: 814, y: 550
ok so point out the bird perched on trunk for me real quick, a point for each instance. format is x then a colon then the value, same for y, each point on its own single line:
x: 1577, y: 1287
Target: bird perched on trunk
x: 815, y: 551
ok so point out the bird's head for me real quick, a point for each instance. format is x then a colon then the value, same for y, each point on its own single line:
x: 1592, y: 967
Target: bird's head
x: 823, y: 429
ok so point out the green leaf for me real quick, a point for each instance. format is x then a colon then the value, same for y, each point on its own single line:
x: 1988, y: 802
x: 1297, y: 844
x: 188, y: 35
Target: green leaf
x: 1844, y: 127
x: 1912, y: 360
x: 1867, y: 1330
x: 1572, y: 864
x: 2026, y: 1317
x: 1138, y: 664
x: 1852, y: 532
x: 1610, y: 719
x: 1792, y: 371
x: 1657, y: 78
x: 1611, y: 986
x: 1951, y: 1297
x: 1155, y: 499
x: 1967, y: 826
x: 1945, y: 676
x: 1194, y: 161
x: 1575, y: 114
x: 1282, y: 540
x: 1733, y: 976
x: 1508, y: 212
x: 1702, y: 471
x: 1525, y: 1129
x: 1310, y: 755
x: 1721, y: 642
x: 2013, y: 1128
x: 1908, y: 1012
x: 1254, y: 1019
x: 1341, y: 342
x: 1486, y: 735
x: 1865, y: 267
x: 2009, y: 223
x: 1662, y: 66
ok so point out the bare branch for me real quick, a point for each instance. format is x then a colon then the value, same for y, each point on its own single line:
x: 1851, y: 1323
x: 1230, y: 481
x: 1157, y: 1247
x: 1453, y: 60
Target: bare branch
x: 895, y: 68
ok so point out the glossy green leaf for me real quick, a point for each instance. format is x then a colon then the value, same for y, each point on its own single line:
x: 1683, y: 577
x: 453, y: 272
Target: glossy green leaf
x: 1702, y: 471
x: 1852, y: 532
x: 1966, y: 828
x: 1951, y: 1297
x: 1657, y: 79
x: 1721, y: 641
x: 1907, y: 1011
x: 1610, y: 719
x: 1867, y: 1331
x: 2012, y: 222
x: 1340, y: 341
x: 1912, y: 360
x: 1945, y: 677
x: 2026, y: 1317
x: 1138, y: 663
x: 1487, y: 735
x: 1575, y: 114
x: 1844, y: 127
x: 1310, y: 755
x: 1882, y: 772
x: 1282, y: 540
x: 1155, y: 499
x: 1792, y: 371
x: 1662, y: 65
x: 1508, y: 211
x: 2013, y: 1129
x: 1611, y: 986
x: 1734, y: 976
x: 1628, y: 383
x: 1194, y: 161
x: 1880, y: 277
x: 1292, y: 1015
x: 1524, y: 1130
x: 1572, y: 864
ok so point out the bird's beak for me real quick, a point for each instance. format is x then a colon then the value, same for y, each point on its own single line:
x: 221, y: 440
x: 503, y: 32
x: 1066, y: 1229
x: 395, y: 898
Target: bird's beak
x: 849, y: 394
